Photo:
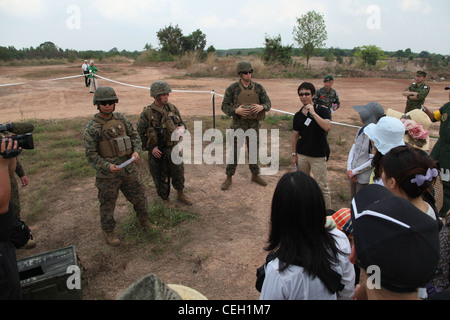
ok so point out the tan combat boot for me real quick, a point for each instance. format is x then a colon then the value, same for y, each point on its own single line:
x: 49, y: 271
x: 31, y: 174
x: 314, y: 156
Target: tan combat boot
x: 112, y: 239
x: 146, y: 224
x: 226, y: 185
x: 257, y: 178
x: 183, y: 199
x: 168, y: 204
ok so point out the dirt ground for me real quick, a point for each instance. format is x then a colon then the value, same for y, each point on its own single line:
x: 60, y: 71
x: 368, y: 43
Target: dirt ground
x: 218, y: 253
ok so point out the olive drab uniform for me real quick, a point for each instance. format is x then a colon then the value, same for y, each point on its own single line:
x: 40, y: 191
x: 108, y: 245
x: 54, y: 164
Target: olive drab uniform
x: 423, y: 90
x: 441, y: 153
x: 235, y: 96
x: 167, y: 119
x: 329, y: 99
x: 110, y: 142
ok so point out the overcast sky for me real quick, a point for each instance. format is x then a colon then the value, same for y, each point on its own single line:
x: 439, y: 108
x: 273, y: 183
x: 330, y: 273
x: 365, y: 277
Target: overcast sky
x: 421, y: 25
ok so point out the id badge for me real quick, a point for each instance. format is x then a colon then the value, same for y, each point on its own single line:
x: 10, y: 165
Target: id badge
x: 308, y: 122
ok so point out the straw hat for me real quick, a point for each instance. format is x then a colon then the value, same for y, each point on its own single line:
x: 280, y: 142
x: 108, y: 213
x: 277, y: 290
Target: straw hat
x: 419, y: 117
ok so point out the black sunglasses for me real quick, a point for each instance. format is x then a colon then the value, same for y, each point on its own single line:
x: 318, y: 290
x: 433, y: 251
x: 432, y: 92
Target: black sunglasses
x: 307, y: 94
x: 247, y: 72
x: 105, y: 103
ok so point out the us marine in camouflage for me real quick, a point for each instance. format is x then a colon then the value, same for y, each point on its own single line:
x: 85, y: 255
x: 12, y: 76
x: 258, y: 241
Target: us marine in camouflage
x: 417, y: 92
x: 327, y: 96
x: 155, y: 126
x: 247, y: 102
x: 110, y: 140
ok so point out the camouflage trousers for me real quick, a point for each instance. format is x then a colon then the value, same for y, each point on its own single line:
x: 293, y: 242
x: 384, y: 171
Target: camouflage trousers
x: 161, y: 170
x: 108, y: 192
x: 244, y: 125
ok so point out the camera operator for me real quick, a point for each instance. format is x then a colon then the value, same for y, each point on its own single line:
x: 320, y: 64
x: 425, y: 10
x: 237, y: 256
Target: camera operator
x: 10, y: 288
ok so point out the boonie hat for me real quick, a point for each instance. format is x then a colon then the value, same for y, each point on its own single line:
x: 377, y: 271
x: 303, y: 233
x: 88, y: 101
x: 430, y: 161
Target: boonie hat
x: 370, y: 113
x: 386, y: 134
x: 392, y: 234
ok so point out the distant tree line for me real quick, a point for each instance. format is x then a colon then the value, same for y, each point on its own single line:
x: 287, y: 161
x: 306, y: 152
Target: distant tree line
x: 309, y: 33
x: 48, y: 50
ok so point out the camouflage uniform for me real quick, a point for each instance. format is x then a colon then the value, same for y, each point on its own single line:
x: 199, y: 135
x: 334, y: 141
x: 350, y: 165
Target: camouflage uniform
x: 149, y: 119
x: 108, y: 183
x: 329, y: 99
x: 423, y: 90
x: 229, y: 106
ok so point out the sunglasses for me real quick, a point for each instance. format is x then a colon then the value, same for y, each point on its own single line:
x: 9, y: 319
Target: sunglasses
x: 247, y: 72
x: 307, y: 94
x: 105, y: 103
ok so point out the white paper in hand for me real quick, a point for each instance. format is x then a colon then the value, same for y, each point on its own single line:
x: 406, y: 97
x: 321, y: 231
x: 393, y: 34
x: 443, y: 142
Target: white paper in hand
x: 126, y: 163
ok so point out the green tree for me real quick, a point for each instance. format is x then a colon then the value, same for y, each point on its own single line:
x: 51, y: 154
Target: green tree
x: 276, y: 52
x: 196, y: 41
x: 310, y: 33
x: 370, y: 54
x: 171, y: 39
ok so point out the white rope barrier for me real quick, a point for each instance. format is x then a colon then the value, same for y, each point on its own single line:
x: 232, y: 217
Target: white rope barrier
x: 213, y: 93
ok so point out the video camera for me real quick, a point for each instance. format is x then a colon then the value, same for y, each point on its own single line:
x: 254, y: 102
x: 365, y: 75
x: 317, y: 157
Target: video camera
x: 21, y: 134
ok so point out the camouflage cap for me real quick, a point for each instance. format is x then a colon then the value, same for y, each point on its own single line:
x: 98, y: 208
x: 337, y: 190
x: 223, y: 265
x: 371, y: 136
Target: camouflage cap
x: 105, y: 94
x: 244, y: 66
x: 159, y: 87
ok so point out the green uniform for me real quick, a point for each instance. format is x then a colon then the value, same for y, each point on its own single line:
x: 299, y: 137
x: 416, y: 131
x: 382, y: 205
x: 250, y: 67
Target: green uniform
x: 108, y: 183
x: 423, y: 90
x: 441, y: 153
x: 92, y: 71
x: 235, y: 96
x: 162, y: 170
x: 329, y: 99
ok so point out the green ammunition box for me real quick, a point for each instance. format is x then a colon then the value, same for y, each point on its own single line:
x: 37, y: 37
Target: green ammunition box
x: 51, y: 276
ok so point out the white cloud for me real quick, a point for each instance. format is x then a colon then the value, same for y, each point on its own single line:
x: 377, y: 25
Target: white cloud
x: 213, y: 21
x: 130, y: 10
x: 415, y: 6
x: 22, y: 8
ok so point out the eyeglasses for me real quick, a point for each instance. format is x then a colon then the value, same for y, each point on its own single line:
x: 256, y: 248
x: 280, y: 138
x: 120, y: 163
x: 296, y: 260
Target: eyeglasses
x: 105, y: 103
x: 307, y: 94
x: 247, y: 72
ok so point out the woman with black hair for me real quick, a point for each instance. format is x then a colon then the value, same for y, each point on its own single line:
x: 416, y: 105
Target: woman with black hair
x: 410, y: 173
x: 311, y: 262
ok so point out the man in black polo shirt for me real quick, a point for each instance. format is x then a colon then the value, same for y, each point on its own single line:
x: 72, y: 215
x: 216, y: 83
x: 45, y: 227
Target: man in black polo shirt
x: 309, y: 140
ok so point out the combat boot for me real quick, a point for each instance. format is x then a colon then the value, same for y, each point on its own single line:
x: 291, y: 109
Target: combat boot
x: 226, y: 185
x: 257, y: 178
x: 183, y: 199
x: 146, y: 224
x: 112, y: 239
x: 168, y: 204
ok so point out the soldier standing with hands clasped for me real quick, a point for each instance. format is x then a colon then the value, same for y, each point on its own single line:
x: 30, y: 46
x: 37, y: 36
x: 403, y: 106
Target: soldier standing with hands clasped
x: 155, y: 126
x: 247, y: 102
x: 110, y: 140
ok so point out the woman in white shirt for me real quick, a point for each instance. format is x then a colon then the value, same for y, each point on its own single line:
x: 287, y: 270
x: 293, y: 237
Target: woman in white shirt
x: 312, y: 261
